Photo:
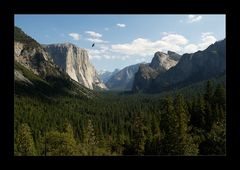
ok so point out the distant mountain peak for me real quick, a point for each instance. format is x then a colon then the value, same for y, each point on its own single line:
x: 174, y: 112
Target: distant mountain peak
x: 162, y: 61
x: 123, y: 79
x: 191, y: 68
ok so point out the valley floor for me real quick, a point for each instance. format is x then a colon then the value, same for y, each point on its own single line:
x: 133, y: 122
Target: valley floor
x: 122, y: 124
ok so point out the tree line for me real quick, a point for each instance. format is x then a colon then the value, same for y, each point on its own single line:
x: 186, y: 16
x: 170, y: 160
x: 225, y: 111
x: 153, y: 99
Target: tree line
x: 114, y: 124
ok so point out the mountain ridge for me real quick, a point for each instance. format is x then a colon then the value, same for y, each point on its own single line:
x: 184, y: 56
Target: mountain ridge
x: 123, y: 79
x: 191, y: 68
x: 35, y: 73
x: 161, y: 62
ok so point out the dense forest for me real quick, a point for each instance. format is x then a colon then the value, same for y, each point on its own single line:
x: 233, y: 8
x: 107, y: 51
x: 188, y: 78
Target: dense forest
x: 122, y: 124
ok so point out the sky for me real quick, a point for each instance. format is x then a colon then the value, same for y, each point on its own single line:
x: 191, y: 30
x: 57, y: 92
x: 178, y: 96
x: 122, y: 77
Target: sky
x: 123, y: 40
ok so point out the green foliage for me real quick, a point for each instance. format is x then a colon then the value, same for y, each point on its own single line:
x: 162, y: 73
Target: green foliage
x: 178, y: 140
x: 55, y: 143
x: 24, y: 144
x: 50, y: 86
x: 121, y: 124
x: 185, y: 142
x: 198, y: 112
x: 139, y: 138
x: 20, y: 36
x: 154, y: 140
x: 90, y: 138
x: 208, y: 95
x: 170, y: 126
x: 215, y: 143
x: 212, y: 131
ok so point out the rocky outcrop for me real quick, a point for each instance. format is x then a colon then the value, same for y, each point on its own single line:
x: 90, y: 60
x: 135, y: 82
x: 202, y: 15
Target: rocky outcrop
x: 160, y: 63
x: 36, y: 74
x: 194, y: 67
x: 35, y: 59
x: 174, y: 56
x: 143, y: 77
x: 191, y: 68
x: 123, y: 79
x: 75, y: 62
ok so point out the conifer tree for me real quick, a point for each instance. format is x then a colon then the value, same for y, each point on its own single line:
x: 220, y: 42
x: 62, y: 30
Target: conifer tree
x: 220, y: 95
x: 209, y: 92
x: 139, y: 138
x: 209, y: 101
x: 24, y: 141
x: 177, y: 140
x: 219, y: 103
x: 153, y: 141
x: 185, y: 141
x: 170, y: 126
x: 215, y: 144
x: 56, y: 143
x: 90, y: 138
x: 198, y: 115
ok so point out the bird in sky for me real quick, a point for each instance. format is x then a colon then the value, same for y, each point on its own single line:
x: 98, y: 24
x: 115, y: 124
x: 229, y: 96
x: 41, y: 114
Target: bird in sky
x: 93, y: 44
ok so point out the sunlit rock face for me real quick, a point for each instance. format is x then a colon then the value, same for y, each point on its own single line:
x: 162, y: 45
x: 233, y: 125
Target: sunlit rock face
x: 75, y: 61
x: 160, y: 63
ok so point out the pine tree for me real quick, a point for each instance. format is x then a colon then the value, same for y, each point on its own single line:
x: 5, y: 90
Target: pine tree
x: 220, y: 96
x: 68, y: 134
x: 177, y: 140
x: 55, y: 143
x: 170, y: 126
x: 139, y: 138
x: 209, y: 102
x: 219, y: 103
x: 198, y: 115
x: 24, y: 141
x: 215, y: 144
x: 209, y: 117
x: 90, y: 139
x: 153, y: 142
x: 209, y: 92
x: 185, y: 141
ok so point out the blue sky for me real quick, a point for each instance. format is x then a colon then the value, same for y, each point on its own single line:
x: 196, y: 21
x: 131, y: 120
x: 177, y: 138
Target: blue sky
x: 122, y: 40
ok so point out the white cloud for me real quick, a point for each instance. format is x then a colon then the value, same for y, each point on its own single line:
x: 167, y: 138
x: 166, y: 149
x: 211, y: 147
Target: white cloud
x: 94, y: 54
x: 121, y: 25
x: 140, y: 60
x: 75, y: 36
x: 95, y: 37
x: 175, y: 39
x: 142, y: 49
x: 93, y: 34
x: 102, y: 51
x: 194, y: 18
x: 106, y: 29
x: 124, y: 57
x: 96, y: 40
x: 191, y: 48
x: 206, y: 39
x: 145, y: 47
x: 165, y: 33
